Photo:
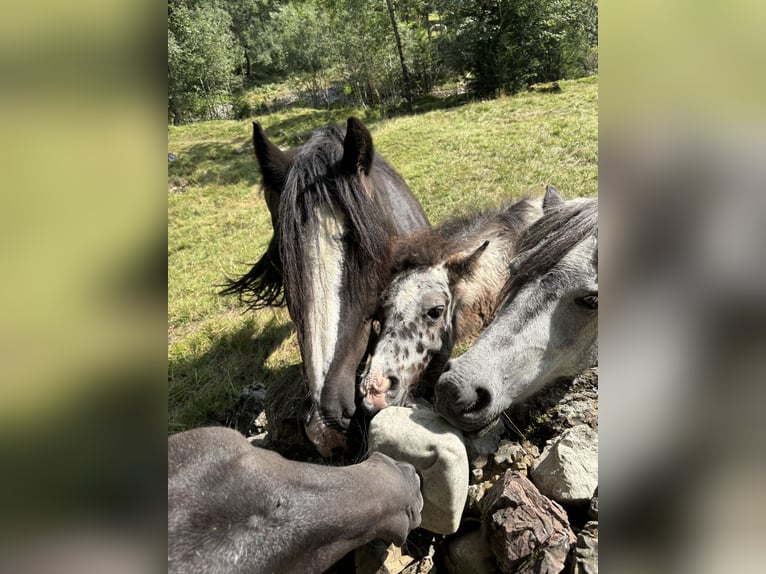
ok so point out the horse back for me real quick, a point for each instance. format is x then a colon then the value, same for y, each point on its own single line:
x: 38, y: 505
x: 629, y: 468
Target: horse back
x: 235, y: 508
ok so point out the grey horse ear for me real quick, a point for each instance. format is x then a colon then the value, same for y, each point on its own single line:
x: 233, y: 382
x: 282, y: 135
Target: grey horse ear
x: 552, y: 198
x: 272, y: 161
x: 461, y: 267
x: 358, y: 151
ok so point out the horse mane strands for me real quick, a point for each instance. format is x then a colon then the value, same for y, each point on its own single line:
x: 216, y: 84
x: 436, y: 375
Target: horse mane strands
x: 545, y: 242
x: 308, y: 187
x: 261, y: 286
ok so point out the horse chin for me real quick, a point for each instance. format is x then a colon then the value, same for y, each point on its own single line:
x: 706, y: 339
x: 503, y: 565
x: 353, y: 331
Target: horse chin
x: 326, y: 439
x: 468, y: 423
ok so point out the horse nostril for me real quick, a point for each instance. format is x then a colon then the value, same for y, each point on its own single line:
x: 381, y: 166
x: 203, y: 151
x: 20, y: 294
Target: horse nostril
x: 483, y: 399
x: 448, y: 366
x: 393, y: 383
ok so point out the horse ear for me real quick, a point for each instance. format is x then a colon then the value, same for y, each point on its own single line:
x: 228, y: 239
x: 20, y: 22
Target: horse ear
x: 461, y: 267
x: 552, y: 198
x: 272, y: 161
x: 358, y: 150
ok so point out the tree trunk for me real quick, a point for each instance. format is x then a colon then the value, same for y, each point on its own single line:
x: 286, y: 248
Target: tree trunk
x: 248, y: 66
x: 405, y: 73
x: 175, y: 110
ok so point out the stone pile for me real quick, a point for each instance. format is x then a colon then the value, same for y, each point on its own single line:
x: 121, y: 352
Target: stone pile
x: 507, y: 500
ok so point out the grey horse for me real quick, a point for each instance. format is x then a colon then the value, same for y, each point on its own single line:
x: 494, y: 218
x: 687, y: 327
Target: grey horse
x: 547, y: 327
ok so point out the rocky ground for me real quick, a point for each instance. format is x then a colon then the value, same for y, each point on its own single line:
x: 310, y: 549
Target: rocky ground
x: 532, y: 499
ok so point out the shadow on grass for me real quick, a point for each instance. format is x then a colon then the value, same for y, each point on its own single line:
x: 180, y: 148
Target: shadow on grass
x: 203, y: 389
x: 227, y: 164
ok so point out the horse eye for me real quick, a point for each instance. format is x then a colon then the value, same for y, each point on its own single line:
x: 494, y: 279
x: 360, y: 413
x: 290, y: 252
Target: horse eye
x: 589, y: 301
x: 435, y: 312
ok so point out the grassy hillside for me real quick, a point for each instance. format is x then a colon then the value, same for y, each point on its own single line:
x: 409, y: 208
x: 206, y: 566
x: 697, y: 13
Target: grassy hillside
x: 470, y: 156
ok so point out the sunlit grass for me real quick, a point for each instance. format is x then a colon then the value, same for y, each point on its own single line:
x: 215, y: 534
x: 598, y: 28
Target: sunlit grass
x: 469, y: 156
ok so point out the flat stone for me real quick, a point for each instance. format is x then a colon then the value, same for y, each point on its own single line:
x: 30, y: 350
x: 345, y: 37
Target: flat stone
x: 567, y: 470
x: 508, y: 452
x: 435, y: 448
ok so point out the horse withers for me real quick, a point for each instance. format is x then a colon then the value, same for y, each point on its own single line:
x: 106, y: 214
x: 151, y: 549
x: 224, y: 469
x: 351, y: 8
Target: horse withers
x: 445, y: 287
x: 336, y: 205
x: 546, y: 329
x: 235, y: 508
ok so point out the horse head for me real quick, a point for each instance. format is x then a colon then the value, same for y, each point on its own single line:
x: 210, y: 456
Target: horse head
x: 417, y: 319
x: 547, y: 326
x: 335, y: 205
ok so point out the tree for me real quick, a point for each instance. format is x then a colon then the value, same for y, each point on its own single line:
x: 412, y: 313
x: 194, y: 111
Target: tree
x: 512, y: 44
x: 202, y: 55
x: 405, y: 75
x: 252, y: 26
x: 307, y: 45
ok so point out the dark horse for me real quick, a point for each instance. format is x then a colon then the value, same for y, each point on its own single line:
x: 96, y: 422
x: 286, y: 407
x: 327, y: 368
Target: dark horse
x: 234, y: 508
x: 335, y: 206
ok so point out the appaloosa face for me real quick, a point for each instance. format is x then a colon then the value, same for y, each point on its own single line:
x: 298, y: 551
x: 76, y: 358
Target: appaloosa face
x: 416, y: 327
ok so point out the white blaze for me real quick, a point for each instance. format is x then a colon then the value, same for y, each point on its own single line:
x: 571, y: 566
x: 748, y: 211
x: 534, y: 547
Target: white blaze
x: 325, y: 268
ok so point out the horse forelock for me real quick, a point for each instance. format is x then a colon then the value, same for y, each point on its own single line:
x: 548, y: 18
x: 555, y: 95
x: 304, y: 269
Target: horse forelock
x: 544, y: 243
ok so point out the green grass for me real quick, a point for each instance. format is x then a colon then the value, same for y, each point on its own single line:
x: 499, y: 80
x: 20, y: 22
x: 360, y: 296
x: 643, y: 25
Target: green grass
x: 474, y: 155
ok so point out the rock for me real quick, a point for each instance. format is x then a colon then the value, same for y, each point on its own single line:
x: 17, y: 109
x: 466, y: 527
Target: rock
x: 249, y: 416
x: 593, y: 507
x: 527, y: 532
x: 172, y: 157
x: 374, y: 559
x: 469, y: 554
x: 508, y: 452
x: 396, y: 560
x: 423, y: 565
x: 435, y: 448
x: 486, y: 441
x: 586, y: 550
x: 557, y: 407
x: 476, y: 492
x: 567, y: 470
x: 479, y: 462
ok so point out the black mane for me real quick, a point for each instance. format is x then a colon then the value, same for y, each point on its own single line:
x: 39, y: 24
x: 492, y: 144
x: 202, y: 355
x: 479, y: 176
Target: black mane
x: 318, y: 177
x: 262, y: 286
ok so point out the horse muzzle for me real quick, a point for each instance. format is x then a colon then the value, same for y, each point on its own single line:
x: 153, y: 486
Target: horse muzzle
x: 325, y: 438
x: 464, y: 405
